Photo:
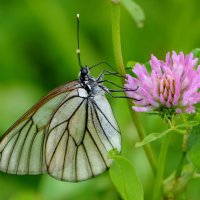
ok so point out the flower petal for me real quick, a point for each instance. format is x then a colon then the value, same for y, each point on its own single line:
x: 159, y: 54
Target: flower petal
x: 174, y: 82
x: 142, y: 109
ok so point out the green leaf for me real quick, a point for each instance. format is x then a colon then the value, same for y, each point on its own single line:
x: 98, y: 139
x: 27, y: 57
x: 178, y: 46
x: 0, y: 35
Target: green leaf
x: 188, y: 124
x: 135, y: 11
x: 152, y: 137
x: 196, y: 52
x: 124, y: 178
x: 194, y: 146
x: 180, y: 131
x: 131, y: 64
x: 148, y: 66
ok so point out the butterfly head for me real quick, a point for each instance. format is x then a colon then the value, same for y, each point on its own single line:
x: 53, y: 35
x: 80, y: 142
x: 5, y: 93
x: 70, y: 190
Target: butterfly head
x: 84, y: 71
x: 87, y: 82
x: 84, y: 74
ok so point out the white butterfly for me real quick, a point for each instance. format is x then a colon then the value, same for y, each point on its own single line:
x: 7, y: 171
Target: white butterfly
x: 67, y: 134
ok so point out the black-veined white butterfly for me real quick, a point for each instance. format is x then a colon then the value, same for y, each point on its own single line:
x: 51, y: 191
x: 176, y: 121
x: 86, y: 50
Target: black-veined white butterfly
x: 67, y: 134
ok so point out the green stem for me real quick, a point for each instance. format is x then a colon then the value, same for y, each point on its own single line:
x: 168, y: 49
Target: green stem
x: 120, y: 64
x: 184, y: 150
x: 142, y: 135
x: 160, y: 169
x: 116, y: 36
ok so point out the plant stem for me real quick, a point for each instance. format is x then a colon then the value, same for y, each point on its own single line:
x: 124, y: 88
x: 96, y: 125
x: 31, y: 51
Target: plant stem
x: 184, y: 149
x: 160, y: 169
x: 142, y: 135
x: 116, y: 36
x: 120, y: 64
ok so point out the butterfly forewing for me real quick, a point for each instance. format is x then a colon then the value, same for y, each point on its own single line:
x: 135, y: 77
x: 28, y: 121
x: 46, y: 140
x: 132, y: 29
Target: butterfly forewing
x: 22, y: 147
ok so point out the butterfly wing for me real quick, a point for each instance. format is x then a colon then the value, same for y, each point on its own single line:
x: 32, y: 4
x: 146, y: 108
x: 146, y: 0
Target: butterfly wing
x: 65, y: 134
x: 22, y: 146
x: 78, y: 142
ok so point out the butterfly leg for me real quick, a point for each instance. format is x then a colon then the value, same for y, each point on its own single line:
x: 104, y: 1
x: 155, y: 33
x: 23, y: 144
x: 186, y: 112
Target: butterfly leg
x: 123, y: 89
x: 109, y: 92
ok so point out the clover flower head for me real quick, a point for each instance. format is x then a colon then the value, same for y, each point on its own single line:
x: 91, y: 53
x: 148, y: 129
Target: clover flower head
x: 172, y: 84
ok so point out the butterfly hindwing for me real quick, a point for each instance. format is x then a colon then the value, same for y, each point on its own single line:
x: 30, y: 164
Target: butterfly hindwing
x: 78, y: 144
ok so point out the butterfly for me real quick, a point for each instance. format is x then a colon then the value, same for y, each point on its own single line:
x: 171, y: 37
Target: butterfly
x: 67, y: 134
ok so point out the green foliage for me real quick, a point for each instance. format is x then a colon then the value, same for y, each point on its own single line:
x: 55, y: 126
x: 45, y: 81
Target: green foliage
x: 175, y: 185
x: 166, y: 113
x: 178, y: 129
x: 196, y: 53
x: 135, y: 11
x: 152, y: 137
x: 194, y: 146
x: 125, y: 179
x: 97, y: 188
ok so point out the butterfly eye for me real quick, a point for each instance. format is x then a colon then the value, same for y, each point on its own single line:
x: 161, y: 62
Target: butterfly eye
x: 84, y: 71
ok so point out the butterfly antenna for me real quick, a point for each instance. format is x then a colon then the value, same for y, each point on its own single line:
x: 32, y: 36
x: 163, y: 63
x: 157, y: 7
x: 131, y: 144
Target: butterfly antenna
x: 78, y: 51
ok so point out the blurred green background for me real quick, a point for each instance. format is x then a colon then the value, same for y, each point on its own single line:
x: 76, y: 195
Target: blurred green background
x: 38, y: 52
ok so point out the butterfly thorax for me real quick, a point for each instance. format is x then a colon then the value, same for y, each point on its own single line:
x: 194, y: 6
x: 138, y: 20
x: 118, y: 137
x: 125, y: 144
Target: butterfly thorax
x: 89, y: 83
